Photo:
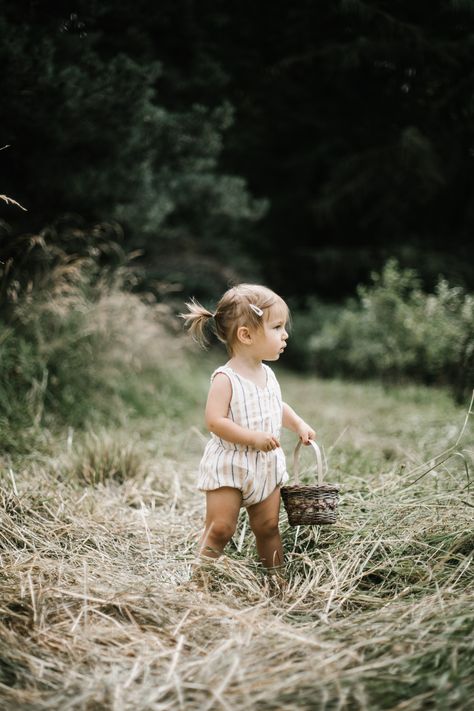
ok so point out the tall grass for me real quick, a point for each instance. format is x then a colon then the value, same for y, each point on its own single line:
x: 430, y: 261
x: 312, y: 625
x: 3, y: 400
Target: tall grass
x: 74, y: 343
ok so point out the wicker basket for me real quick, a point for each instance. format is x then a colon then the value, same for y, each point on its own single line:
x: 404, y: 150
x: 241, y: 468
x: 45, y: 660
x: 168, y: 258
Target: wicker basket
x: 310, y: 504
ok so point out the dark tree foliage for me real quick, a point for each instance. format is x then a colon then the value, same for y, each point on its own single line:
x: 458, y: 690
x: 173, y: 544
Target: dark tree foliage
x: 357, y: 118
x: 352, y: 120
x: 91, y: 135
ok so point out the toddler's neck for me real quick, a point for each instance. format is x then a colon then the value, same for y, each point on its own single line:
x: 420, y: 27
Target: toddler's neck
x: 250, y: 368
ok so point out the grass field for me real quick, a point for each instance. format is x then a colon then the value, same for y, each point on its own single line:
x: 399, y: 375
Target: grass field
x: 97, y: 539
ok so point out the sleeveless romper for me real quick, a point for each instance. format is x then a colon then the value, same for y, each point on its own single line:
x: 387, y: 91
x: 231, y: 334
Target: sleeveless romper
x: 223, y: 463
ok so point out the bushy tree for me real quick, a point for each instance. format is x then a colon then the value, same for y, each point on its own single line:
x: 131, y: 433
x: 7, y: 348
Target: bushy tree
x: 395, y: 331
x: 90, y: 136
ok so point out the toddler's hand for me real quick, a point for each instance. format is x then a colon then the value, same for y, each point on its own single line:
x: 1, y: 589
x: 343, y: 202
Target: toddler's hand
x: 265, y: 442
x: 305, y: 432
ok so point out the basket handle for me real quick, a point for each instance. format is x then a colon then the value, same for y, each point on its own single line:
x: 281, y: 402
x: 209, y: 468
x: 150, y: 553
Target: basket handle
x: 319, y: 461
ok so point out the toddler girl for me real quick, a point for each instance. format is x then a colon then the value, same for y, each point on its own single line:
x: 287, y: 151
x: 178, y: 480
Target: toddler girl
x: 243, y: 463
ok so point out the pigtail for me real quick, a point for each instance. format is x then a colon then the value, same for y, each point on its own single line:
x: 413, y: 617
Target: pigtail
x: 196, y: 320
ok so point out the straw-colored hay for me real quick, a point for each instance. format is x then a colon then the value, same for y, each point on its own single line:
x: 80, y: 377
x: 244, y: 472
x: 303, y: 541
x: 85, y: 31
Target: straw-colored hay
x: 97, y: 612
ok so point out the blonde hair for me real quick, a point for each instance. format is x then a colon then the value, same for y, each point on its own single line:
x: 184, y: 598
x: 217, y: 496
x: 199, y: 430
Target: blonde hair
x: 242, y: 305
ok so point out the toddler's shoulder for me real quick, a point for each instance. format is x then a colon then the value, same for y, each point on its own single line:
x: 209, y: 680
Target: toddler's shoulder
x: 222, y: 379
x: 224, y: 370
x: 221, y: 386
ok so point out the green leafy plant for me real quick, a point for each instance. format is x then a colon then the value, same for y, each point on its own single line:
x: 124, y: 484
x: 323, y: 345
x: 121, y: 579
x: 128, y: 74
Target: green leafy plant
x: 396, y: 331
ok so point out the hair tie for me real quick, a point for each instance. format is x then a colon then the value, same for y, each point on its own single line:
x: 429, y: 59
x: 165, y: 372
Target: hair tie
x: 256, y: 309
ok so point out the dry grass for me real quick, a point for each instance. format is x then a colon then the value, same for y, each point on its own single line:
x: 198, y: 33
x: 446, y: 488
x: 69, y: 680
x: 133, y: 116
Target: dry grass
x: 11, y: 201
x: 7, y: 199
x: 97, y: 545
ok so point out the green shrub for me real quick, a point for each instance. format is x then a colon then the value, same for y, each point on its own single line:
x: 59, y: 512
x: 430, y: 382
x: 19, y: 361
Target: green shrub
x: 72, y: 338
x: 395, y: 331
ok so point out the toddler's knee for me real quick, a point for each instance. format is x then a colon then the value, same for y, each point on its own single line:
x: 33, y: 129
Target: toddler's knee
x: 267, y: 529
x: 221, y: 531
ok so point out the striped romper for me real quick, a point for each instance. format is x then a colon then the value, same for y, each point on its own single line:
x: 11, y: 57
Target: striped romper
x: 255, y: 473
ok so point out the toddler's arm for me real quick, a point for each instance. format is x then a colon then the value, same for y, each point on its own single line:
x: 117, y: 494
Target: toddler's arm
x: 294, y: 422
x: 217, y: 421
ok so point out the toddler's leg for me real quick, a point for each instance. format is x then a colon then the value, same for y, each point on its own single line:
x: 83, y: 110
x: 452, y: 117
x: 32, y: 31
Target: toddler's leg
x: 264, y: 523
x: 222, y: 511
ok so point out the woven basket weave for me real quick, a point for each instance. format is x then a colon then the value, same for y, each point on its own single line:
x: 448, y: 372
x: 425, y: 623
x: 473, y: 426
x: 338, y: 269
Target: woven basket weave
x: 310, y: 504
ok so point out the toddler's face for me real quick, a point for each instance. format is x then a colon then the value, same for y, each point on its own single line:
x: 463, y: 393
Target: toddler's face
x: 270, y: 340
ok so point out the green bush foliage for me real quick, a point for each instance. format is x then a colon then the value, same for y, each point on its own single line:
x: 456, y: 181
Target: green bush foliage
x: 73, y: 336
x: 394, y: 330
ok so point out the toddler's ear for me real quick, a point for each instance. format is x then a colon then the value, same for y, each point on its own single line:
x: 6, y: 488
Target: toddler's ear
x: 243, y: 335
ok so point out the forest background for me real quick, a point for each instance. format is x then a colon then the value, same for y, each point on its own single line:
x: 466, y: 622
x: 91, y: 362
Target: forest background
x: 325, y: 149
x: 302, y: 144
